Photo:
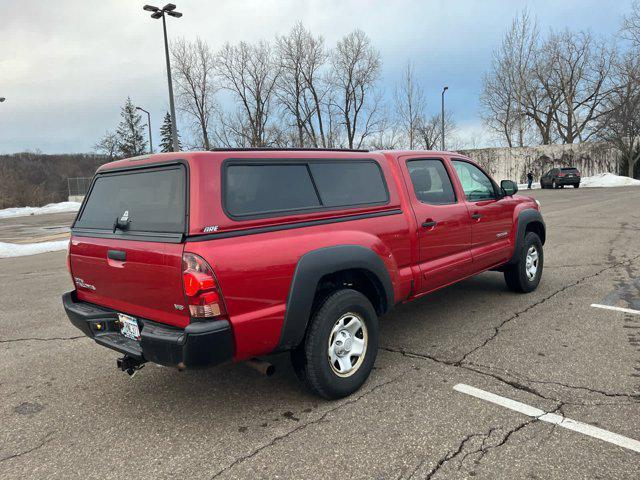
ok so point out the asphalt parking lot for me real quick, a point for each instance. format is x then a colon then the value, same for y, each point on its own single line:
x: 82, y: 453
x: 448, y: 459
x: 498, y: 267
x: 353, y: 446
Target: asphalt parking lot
x: 66, y: 412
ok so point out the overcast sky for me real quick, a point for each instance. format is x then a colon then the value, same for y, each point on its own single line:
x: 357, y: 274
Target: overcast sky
x: 67, y: 66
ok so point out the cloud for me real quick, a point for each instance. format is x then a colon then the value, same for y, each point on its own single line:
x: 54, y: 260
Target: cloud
x: 66, y: 67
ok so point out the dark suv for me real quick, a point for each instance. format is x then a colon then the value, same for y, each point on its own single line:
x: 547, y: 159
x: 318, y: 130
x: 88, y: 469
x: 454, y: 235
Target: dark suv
x: 559, y: 177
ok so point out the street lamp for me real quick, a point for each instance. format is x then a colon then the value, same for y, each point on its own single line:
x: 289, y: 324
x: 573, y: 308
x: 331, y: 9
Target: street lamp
x: 442, y: 115
x: 148, y: 125
x: 169, y: 9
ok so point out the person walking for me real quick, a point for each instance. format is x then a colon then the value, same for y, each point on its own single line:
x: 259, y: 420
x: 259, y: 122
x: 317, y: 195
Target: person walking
x: 529, y: 180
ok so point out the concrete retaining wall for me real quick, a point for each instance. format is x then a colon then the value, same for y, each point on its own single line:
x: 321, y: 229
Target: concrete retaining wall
x: 514, y: 163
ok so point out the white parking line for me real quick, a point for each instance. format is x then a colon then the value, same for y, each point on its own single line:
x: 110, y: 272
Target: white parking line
x: 617, y: 309
x: 556, y: 419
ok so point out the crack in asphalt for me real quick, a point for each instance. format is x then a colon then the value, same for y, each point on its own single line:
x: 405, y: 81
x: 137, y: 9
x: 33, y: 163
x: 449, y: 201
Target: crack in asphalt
x: 523, y: 378
x: 39, y: 339
x: 483, y: 448
x: 468, y: 366
x: 633, y: 396
x: 43, y: 442
x: 499, y: 327
x: 517, y: 384
x: 302, y: 426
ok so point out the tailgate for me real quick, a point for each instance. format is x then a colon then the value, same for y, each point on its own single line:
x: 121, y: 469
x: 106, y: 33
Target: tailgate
x: 126, y: 245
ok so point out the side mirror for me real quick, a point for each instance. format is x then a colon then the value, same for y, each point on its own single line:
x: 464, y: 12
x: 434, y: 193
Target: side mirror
x: 509, y: 187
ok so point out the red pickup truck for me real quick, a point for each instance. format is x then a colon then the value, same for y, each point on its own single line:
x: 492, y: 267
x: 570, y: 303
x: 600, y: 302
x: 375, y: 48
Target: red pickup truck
x: 191, y: 259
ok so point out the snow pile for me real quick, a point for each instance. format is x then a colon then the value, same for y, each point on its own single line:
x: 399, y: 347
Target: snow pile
x: 61, y: 207
x: 608, y: 180
x: 8, y: 250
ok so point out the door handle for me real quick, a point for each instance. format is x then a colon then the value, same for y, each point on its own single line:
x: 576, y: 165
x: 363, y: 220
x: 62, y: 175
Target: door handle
x: 476, y: 216
x: 117, y: 255
x: 429, y: 223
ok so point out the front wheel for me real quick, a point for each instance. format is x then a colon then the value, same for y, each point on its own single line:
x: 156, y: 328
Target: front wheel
x: 524, y: 276
x: 576, y: 185
x: 340, y: 347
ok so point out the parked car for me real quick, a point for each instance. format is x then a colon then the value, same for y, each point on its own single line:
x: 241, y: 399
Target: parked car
x: 559, y: 177
x: 193, y: 259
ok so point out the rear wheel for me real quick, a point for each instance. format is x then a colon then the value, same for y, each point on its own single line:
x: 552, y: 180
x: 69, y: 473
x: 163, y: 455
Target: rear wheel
x: 524, y: 276
x: 576, y: 185
x: 340, y: 347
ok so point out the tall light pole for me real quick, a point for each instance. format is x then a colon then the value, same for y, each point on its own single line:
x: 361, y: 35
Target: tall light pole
x: 169, y: 9
x: 148, y: 125
x: 442, y: 116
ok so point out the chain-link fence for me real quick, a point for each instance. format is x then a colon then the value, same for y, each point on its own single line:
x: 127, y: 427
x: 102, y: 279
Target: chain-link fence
x: 78, y: 186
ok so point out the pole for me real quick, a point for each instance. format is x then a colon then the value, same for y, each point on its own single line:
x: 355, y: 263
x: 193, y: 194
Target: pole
x: 174, y: 130
x: 149, y: 125
x: 442, y: 116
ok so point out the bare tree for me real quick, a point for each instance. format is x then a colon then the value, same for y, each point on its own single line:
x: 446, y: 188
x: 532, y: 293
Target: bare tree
x: 541, y: 100
x: 301, y: 90
x: 389, y: 135
x: 355, y: 68
x: 578, y: 69
x: 631, y: 25
x: 497, y: 100
x: 409, y: 105
x: 108, y: 145
x: 620, y: 120
x: 507, y: 88
x: 250, y: 73
x: 429, y: 132
x: 193, y: 69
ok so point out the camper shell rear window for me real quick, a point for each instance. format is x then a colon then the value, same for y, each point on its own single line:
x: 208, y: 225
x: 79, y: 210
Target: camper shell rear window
x: 150, y: 200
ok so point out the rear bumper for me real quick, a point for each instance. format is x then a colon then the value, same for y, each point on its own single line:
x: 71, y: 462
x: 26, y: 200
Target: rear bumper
x: 200, y: 344
x: 567, y: 181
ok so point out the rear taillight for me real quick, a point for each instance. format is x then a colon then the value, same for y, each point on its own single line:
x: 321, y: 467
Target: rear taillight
x: 561, y: 174
x: 201, y: 288
x: 578, y: 172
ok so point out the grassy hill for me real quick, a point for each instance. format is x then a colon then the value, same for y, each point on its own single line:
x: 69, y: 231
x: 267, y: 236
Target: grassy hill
x: 35, y: 179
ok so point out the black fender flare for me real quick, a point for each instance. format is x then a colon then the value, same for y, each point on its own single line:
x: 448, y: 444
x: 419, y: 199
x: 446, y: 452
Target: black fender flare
x: 525, y: 218
x: 311, y: 267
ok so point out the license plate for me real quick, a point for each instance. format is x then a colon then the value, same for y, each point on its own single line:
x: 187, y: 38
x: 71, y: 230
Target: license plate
x: 129, y: 326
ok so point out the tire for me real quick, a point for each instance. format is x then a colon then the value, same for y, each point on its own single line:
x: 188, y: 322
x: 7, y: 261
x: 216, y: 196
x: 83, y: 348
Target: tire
x: 518, y: 276
x: 576, y: 185
x: 326, y: 333
x: 561, y: 186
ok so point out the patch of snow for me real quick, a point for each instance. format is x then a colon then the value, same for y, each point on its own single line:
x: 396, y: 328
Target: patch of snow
x: 608, y: 180
x: 523, y: 186
x: 61, y: 207
x: 8, y: 250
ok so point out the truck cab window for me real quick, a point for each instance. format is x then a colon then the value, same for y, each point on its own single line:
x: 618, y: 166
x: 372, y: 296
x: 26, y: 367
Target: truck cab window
x: 431, y: 182
x: 476, y: 185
